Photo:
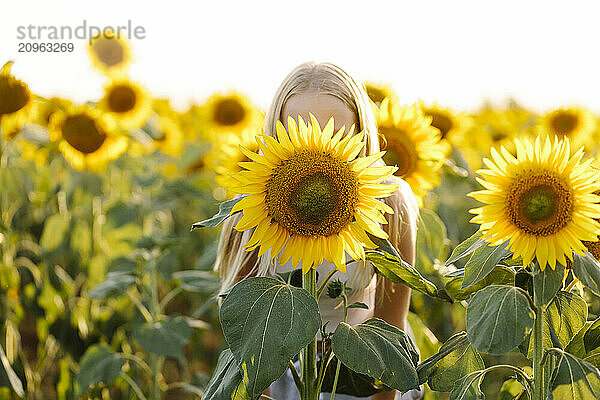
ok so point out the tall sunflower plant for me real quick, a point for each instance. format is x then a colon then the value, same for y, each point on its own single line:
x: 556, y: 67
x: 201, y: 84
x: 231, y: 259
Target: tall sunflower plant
x: 309, y: 197
x: 523, y: 278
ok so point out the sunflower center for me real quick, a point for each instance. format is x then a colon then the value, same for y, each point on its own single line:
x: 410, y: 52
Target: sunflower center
x: 121, y: 99
x: 312, y: 193
x: 229, y: 112
x: 82, y: 133
x: 441, y: 122
x: 540, y: 203
x: 564, y: 123
x: 13, y: 95
x: 109, y: 51
x: 400, y: 151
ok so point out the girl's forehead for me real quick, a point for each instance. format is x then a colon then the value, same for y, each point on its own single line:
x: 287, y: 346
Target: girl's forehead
x: 322, y: 106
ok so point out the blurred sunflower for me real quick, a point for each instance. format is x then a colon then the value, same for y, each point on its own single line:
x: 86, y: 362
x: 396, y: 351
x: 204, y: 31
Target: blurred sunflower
x: 542, y: 201
x: 412, y: 144
x: 86, y: 138
x: 310, y: 197
x: 15, y: 102
x: 127, y: 102
x: 109, y: 52
x: 43, y: 109
x: 230, y: 112
x: 576, y: 123
x: 170, y: 138
x: 377, y: 92
x: 228, y: 155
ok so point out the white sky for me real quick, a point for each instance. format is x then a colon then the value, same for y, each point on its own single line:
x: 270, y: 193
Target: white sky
x: 458, y: 53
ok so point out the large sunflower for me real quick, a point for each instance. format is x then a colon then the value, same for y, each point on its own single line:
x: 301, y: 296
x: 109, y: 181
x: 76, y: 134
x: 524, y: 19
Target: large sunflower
x: 110, y: 52
x: 85, y: 137
x: 127, y: 102
x: 310, y: 197
x: 15, y: 102
x: 229, y: 112
x: 576, y: 123
x: 412, y: 144
x: 170, y: 139
x: 542, y: 201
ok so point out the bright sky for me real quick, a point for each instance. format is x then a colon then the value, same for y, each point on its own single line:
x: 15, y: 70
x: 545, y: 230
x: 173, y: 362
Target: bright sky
x: 458, y: 53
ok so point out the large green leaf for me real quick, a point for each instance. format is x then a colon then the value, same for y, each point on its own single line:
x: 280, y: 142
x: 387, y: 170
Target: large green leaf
x: 266, y: 323
x: 115, y: 284
x: 431, y: 240
x: 512, y: 389
x: 563, y: 319
x: 459, y: 359
x: 226, y: 381
x: 399, y: 271
x: 575, y: 379
x: 98, y: 364
x: 379, y: 350
x: 425, y: 339
x: 468, y: 388
x: 465, y: 248
x: 587, y: 269
x: 8, y: 375
x: 55, y: 232
x: 546, y: 284
x: 500, y: 275
x: 483, y: 260
x: 498, y: 319
x: 224, y: 211
x: 166, y: 337
x: 591, y: 337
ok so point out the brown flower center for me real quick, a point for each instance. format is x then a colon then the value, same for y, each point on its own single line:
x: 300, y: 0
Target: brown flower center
x: 229, y: 112
x: 441, y: 122
x: 564, y: 123
x: 14, y: 95
x: 312, y: 193
x: 121, y: 98
x: 540, y: 203
x: 400, y: 151
x: 109, y: 50
x: 82, y: 133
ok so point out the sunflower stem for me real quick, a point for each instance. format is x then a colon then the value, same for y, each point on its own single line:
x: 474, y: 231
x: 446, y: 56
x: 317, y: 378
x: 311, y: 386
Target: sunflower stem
x: 309, y: 364
x: 538, y: 349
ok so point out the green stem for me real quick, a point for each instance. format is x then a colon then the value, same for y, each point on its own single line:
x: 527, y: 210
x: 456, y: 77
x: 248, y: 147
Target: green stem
x: 133, y: 385
x: 154, y: 310
x: 538, y: 349
x: 323, y: 284
x: 339, y: 363
x: 309, y: 353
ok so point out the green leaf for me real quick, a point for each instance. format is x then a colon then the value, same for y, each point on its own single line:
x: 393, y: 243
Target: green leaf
x: 498, y: 319
x: 576, y: 346
x: 468, y: 388
x: 11, y: 376
x: 591, y: 338
x: 55, y: 232
x: 459, y: 359
x: 379, y: 350
x: 425, y: 340
x: 98, y: 364
x: 512, y: 389
x: 358, y: 304
x: 166, y: 337
x: 465, y: 248
x: 349, y: 382
x: 198, y: 281
x: 564, y: 317
x: 226, y: 381
x: 399, y: 271
x: 266, y: 323
x: 116, y: 284
x: 575, y: 379
x: 482, y: 262
x: 224, y: 211
x: 431, y: 240
x: 546, y: 284
x: 499, y: 276
x: 587, y: 269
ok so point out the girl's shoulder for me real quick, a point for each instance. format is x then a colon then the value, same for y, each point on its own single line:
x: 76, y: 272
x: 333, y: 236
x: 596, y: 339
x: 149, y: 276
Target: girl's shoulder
x: 402, y: 199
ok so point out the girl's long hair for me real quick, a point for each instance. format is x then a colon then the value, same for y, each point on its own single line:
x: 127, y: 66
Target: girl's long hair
x: 233, y: 261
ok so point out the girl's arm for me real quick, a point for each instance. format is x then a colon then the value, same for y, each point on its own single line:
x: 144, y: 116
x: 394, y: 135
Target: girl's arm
x: 393, y: 299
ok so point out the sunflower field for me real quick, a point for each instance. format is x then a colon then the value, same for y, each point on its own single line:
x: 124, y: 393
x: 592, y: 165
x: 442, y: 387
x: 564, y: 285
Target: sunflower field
x: 107, y: 293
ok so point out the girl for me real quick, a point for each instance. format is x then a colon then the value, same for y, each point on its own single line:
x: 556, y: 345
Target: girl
x: 326, y: 90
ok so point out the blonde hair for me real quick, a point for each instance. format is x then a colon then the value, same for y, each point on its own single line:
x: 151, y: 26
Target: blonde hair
x: 233, y: 261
